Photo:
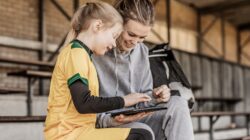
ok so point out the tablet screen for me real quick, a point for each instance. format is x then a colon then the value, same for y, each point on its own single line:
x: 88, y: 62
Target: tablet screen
x: 132, y: 111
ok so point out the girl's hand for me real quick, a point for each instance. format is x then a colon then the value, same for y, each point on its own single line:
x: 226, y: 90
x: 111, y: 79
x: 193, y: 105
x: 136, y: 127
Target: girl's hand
x: 134, y: 98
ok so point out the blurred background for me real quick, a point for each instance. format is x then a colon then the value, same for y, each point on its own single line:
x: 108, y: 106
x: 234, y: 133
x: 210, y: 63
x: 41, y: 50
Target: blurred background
x: 210, y: 39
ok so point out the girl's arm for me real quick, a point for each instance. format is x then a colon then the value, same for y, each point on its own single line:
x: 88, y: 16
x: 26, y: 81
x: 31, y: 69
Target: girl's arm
x: 86, y: 103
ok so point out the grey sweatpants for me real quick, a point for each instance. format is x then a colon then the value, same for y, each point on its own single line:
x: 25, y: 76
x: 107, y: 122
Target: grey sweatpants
x: 171, y: 124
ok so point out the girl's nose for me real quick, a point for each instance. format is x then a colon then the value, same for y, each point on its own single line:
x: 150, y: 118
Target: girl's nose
x: 114, y: 44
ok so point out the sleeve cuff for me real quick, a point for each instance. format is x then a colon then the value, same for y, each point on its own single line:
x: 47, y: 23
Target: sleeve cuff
x: 121, y: 101
x: 76, y: 77
x: 106, y: 121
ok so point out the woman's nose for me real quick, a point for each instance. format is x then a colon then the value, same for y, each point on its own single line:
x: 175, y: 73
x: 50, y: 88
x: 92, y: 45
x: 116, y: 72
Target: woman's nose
x: 136, y: 40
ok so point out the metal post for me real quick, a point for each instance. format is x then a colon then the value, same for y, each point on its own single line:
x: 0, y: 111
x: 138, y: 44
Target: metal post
x: 238, y: 39
x: 247, y: 123
x: 199, y: 37
x: 76, y: 5
x: 211, y: 133
x: 199, y: 124
x: 42, y: 29
x: 168, y: 18
x: 29, y: 98
x: 223, y: 38
x: 42, y: 39
x: 199, y: 104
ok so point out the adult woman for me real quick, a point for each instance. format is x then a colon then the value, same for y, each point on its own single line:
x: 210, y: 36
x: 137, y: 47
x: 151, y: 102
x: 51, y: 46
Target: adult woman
x: 74, y: 88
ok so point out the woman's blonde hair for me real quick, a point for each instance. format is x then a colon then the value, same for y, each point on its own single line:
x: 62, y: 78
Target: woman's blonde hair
x: 89, y: 11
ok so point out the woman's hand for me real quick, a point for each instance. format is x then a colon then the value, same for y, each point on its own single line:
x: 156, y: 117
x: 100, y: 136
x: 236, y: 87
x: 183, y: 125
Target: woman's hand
x: 162, y: 94
x: 134, y: 98
x: 131, y: 118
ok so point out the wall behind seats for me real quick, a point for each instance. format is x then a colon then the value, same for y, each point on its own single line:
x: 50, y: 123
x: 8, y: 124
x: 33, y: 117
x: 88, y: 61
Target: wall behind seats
x: 245, y: 59
x: 19, y: 20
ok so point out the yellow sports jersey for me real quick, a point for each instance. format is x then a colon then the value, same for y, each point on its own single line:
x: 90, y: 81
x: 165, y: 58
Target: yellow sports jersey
x: 63, y: 121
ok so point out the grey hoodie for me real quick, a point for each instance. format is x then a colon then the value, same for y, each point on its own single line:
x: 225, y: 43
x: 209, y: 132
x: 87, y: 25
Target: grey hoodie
x: 121, y: 74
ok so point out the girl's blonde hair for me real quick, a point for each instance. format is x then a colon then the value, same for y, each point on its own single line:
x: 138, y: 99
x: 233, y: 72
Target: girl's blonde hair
x: 89, y: 11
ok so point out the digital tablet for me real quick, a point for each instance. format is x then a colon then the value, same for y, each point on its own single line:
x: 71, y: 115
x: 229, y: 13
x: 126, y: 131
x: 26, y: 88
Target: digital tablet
x: 132, y: 111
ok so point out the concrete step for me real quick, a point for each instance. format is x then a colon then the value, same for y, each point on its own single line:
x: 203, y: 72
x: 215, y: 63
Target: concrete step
x: 22, y: 131
x: 15, y: 105
x: 34, y: 131
x: 223, y: 134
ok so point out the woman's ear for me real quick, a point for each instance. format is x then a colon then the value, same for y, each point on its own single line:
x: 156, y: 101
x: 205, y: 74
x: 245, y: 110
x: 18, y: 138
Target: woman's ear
x: 97, y: 25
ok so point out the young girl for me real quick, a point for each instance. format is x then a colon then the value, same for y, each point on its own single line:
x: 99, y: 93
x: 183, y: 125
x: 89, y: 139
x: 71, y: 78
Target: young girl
x: 73, y: 100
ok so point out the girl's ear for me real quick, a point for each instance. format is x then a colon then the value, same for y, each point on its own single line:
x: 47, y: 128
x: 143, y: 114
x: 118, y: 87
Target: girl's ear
x: 97, y: 25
